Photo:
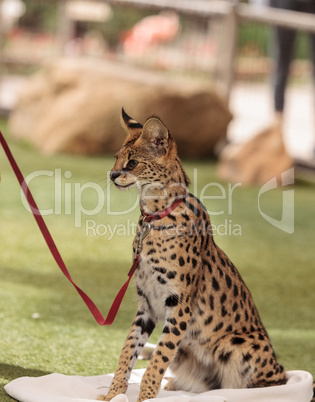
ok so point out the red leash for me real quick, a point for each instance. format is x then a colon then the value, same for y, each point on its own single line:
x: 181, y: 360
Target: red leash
x: 55, y: 253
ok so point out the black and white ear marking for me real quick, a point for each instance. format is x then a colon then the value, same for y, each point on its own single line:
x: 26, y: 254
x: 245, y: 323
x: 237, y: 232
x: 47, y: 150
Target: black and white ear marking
x: 155, y: 133
x: 128, y: 123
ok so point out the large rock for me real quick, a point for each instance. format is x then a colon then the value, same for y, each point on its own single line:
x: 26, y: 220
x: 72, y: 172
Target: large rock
x: 74, y: 106
x: 257, y: 161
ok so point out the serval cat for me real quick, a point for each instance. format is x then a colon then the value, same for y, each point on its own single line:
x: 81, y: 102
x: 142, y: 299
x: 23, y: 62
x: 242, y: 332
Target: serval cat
x: 212, y: 334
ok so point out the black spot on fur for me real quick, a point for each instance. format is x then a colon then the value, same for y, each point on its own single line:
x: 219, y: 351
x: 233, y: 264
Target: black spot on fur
x: 151, y: 251
x: 161, y: 280
x: 245, y: 371
x: 215, y: 284
x: 171, y: 301
x: 175, y: 331
x: 161, y: 270
x: 147, y: 326
x: 211, y: 300
x: 209, y: 320
x: 243, y: 294
x: 247, y: 357
x: 237, y: 340
x: 223, y: 311
x: 224, y: 357
x: 261, y: 337
x: 193, y: 208
x: 172, y: 320
x: 183, y: 326
x: 218, y: 327
x: 171, y: 274
x: 208, y: 265
x: 228, y: 281
x: 220, y: 271
x: 263, y: 364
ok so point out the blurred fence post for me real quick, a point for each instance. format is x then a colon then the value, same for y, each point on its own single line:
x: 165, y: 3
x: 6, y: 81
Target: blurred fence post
x: 1, y: 45
x: 1, y: 31
x: 65, y: 26
x: 228, y: 47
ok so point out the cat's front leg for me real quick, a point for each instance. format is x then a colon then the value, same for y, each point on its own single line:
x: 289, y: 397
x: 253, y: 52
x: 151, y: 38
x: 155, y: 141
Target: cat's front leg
x: 176, y: 322
x: 138, y: 335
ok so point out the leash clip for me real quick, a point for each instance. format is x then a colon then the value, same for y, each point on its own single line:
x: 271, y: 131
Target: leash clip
x: 145, y: 230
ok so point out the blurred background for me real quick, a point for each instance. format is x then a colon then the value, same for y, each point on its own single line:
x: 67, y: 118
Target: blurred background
x: 66, y: 69
x: 216, y: 57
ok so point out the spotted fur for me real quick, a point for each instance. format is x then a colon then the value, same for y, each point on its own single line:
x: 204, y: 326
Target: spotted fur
x: 212, y: 334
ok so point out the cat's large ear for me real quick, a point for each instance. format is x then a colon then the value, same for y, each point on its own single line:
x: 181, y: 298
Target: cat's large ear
x: 130, y: 125
x: 156, y: 134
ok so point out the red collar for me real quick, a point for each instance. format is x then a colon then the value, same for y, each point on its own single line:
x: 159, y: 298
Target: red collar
x: 162, y: 214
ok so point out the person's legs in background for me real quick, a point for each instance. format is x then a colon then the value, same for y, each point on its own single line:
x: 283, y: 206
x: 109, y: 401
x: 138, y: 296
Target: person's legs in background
x: 283, y: 46
x: 310, y: 8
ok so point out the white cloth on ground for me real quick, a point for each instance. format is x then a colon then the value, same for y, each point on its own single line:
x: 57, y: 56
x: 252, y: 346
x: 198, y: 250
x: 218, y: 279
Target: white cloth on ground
x: 63, y: 388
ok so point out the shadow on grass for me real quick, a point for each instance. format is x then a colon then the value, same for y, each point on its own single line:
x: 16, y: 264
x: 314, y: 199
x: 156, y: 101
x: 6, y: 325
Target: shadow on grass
x: 9, y: 373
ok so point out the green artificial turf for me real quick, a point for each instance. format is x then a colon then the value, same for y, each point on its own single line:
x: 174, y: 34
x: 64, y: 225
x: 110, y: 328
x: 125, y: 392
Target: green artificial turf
x: 45, y: 327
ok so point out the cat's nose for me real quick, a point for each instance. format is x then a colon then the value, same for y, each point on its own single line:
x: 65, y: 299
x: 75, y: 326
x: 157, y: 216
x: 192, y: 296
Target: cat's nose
x: 114, y: 174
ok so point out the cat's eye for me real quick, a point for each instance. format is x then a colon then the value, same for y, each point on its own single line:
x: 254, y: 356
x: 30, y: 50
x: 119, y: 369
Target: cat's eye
x: 132, y: 164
